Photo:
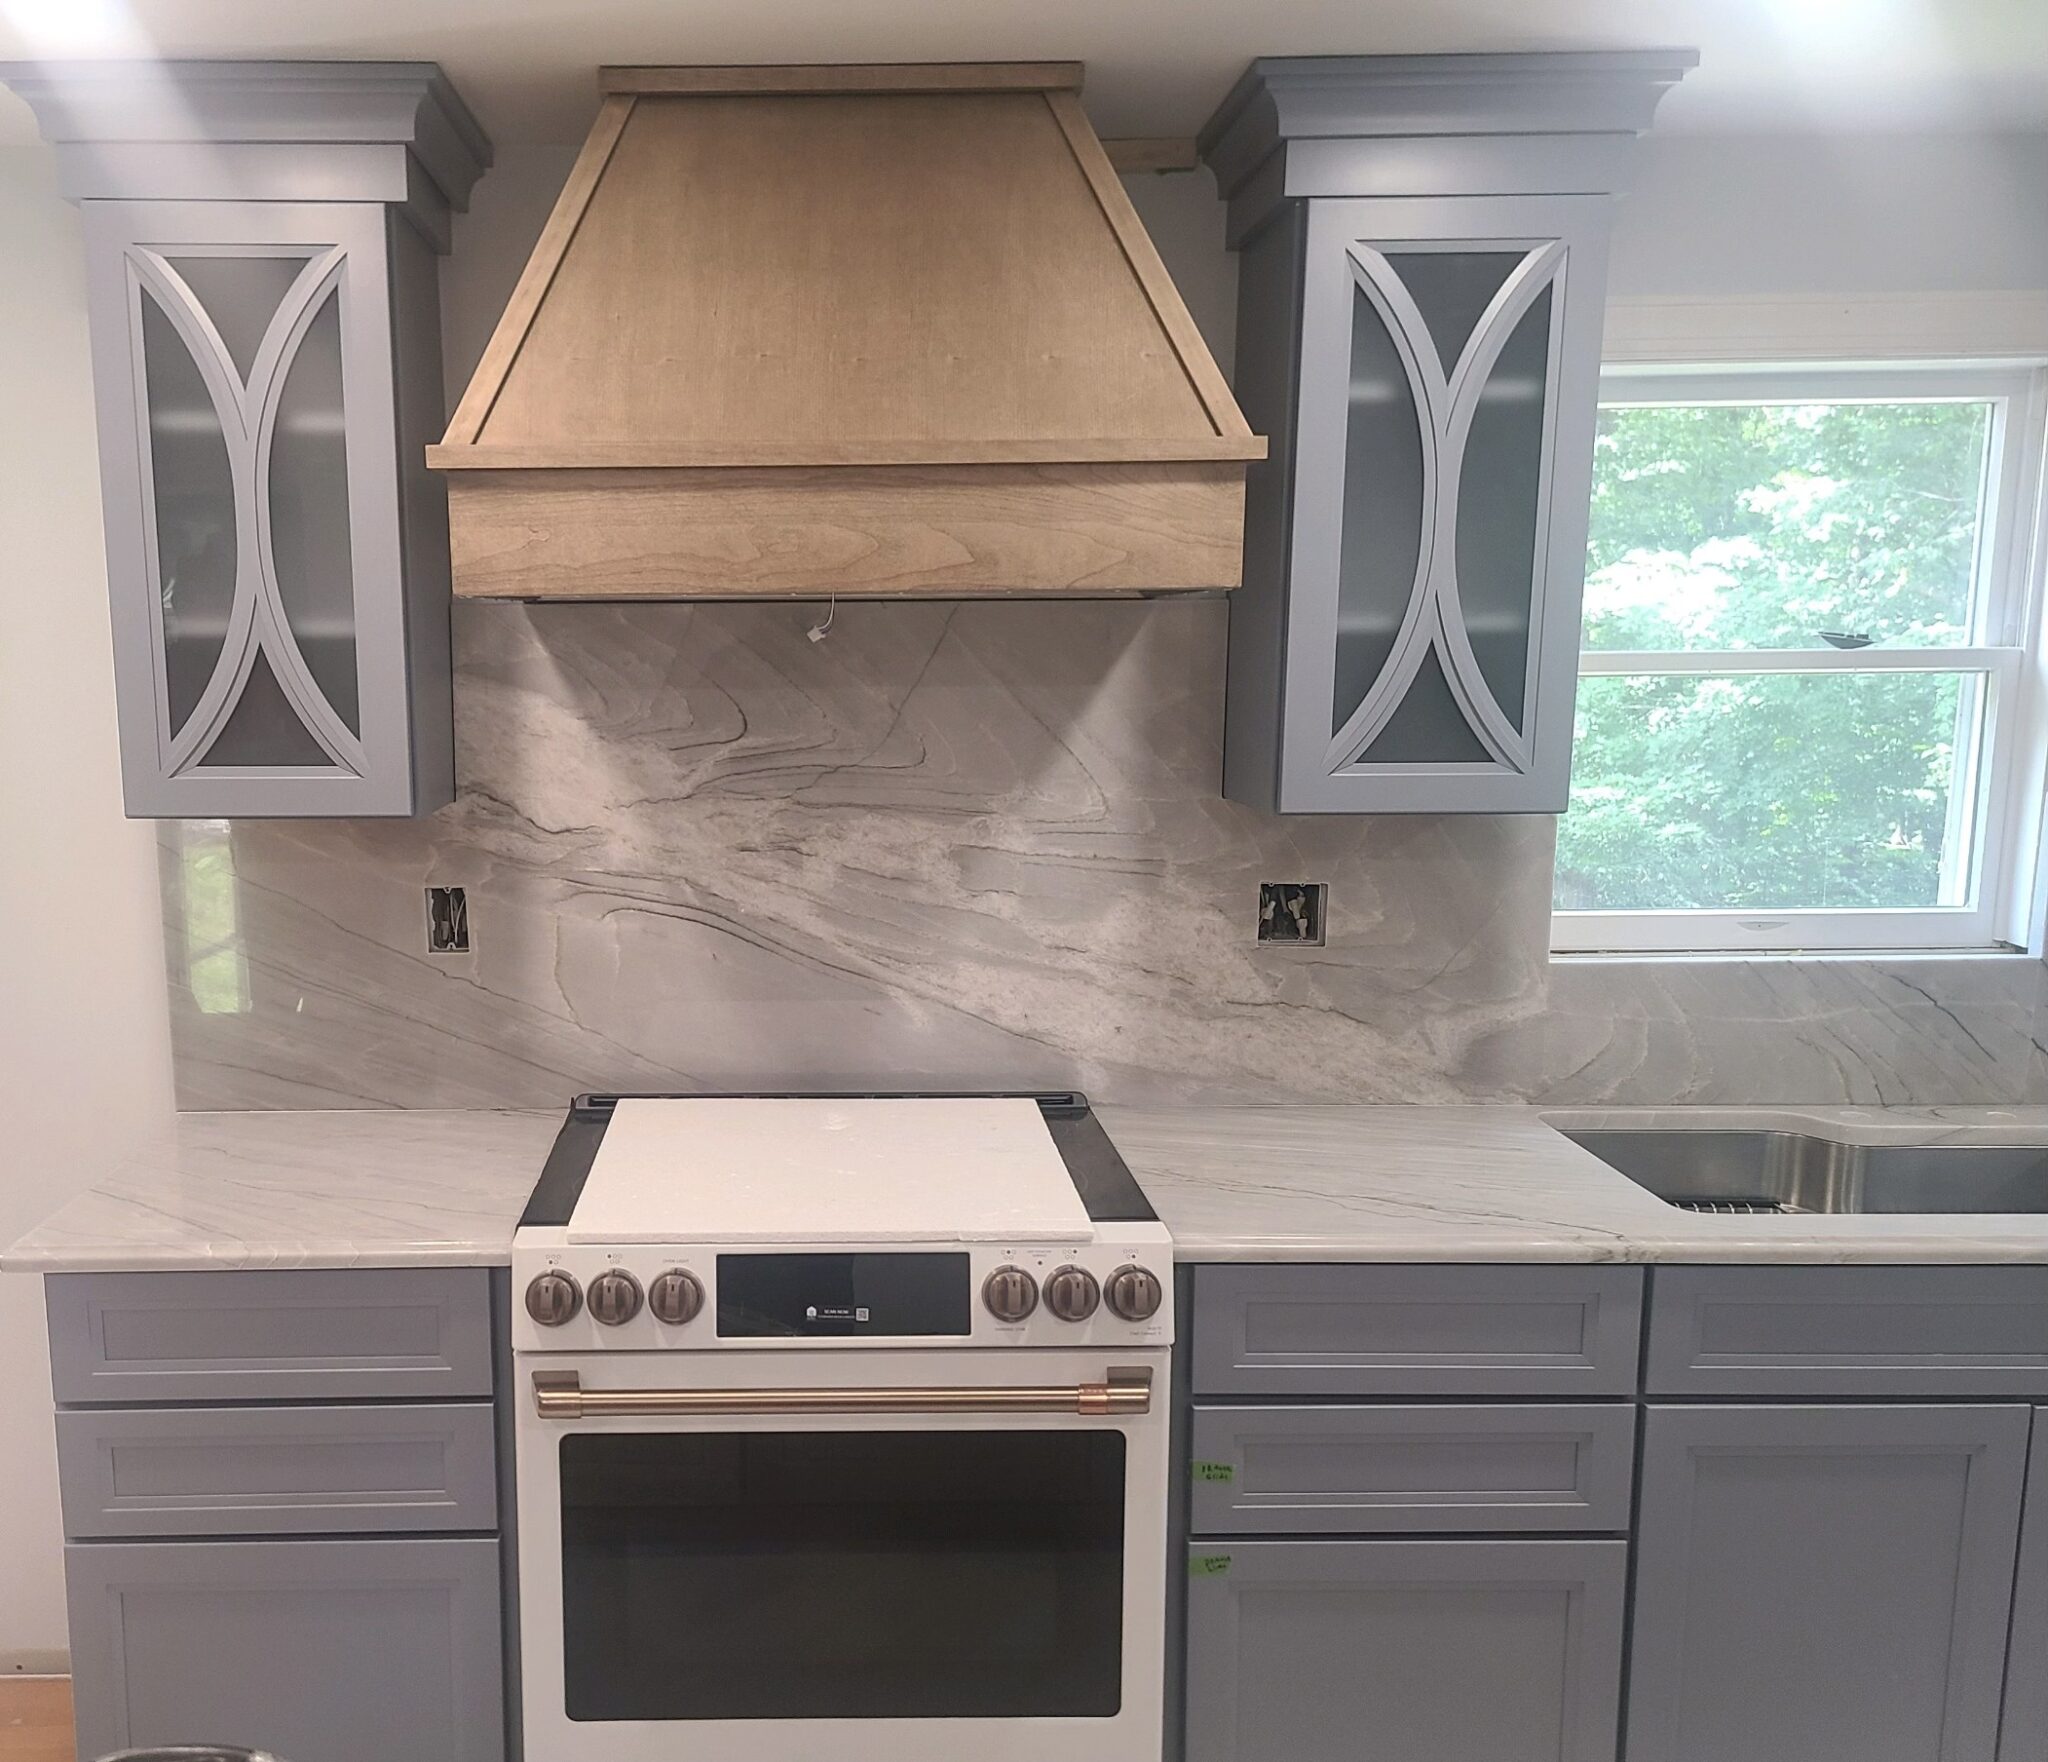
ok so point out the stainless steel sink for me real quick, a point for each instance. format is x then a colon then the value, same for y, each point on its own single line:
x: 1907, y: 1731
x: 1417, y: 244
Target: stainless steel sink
x: 1786, y: 1172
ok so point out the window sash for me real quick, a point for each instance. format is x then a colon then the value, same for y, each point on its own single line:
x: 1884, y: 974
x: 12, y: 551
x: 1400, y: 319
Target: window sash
x: 1998, y: 801
x: 1593, y: 662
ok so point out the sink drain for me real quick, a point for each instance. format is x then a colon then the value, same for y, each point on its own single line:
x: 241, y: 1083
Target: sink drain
x: 1738, y: 1207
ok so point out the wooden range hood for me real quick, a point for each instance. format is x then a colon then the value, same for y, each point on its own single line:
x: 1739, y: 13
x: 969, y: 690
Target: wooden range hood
x: 886, y: 331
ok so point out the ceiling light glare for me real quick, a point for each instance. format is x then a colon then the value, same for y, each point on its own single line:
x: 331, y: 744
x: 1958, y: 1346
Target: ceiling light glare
x: 51, y: 28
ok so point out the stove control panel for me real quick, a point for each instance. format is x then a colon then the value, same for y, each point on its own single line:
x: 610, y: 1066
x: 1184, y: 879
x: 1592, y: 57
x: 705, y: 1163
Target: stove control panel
x: 575, y: 1297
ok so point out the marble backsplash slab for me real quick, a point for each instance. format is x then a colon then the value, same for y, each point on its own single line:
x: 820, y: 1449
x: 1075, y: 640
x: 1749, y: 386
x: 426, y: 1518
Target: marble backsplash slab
x: 959, y: 845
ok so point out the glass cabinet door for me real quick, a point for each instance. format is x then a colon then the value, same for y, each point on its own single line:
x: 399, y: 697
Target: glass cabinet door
x: 248, y: 444
x: 1444, y: 442
x: 246, y: 515
x: 1435, y: 370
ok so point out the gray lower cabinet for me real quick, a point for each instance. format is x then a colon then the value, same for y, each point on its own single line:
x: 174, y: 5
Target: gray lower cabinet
x: 1789, y: 1332
x: 1416, y: 1330
x: 282, y: 1507
x: 1350, y: 1468
x: 2023, y: 1735
x: 328, y: 1651
x: 353, y: 1334
x: 234, y: 1471
x: 1824, y: 1584
x: 1440, y: 1651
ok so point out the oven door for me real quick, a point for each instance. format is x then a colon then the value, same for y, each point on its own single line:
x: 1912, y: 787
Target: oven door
x: 842, y: 1557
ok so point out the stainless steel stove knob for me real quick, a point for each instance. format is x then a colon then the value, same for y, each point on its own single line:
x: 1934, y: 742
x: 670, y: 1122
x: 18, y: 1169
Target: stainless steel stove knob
x: 1009, y: 1293
x: 615, y: 1297
x: 675, y: 1297
x: 1072, y: 1294
x: 1134, y: 1293
x: 553, y: 1299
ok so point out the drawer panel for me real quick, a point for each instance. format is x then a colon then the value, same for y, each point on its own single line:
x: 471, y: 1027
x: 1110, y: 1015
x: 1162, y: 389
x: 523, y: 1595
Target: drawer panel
x: 277, y: 1471
x: 1416, y: 1330
x: 1400, y: 1470
x: 1849, y: 1330
x: 345, y: 1335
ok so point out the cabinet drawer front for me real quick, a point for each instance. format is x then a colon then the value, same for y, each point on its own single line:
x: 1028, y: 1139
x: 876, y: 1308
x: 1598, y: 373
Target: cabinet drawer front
x: 1416, y: 1651
x: 1416, y: 1330
x: 1849, y: 1330
x: 218, y: 1471
x: 312, y: 1651
x: 269, y: 1336
x: 1389, y: 1470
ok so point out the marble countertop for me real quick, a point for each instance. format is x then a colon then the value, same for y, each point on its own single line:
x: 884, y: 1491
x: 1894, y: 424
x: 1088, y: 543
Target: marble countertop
x: 344, y: 1188
x: 1500, y: 1184
x: 427, y: 1188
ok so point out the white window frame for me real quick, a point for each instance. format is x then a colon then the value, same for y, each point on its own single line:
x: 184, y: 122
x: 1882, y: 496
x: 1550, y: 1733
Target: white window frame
x: 2001, y: 821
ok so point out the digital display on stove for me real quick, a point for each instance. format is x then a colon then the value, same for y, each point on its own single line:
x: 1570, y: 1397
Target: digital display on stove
x: 839, y: 1296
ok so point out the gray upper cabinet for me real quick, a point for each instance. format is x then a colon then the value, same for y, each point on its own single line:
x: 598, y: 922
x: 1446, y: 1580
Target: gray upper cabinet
x: 1423, y: 249
x: 260, y: 250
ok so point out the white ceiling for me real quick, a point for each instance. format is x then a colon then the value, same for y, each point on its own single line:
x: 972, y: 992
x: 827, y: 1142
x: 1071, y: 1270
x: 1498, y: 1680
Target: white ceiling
x: 1154, y: 66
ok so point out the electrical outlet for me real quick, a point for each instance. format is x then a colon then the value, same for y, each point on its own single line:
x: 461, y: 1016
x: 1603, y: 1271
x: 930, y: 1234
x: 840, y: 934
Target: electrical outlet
x: 447, y: 921
x: 1293, y: 911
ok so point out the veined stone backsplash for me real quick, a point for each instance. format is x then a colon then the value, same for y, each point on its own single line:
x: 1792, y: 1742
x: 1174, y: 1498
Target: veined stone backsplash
x: 966, y: 846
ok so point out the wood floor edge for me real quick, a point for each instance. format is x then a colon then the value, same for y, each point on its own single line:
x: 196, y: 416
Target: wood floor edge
x: 35, y: 1719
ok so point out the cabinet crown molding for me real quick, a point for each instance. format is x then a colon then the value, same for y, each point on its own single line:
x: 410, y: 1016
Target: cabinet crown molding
x: 227, y: 130
x: 1433, y: 125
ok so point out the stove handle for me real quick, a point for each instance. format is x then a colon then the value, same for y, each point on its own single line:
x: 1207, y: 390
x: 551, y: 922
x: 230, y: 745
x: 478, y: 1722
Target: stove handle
x: 561, y: 1395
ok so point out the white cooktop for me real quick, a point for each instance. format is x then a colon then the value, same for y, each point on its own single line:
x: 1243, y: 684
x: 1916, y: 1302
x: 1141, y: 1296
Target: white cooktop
x: 771, y: 1170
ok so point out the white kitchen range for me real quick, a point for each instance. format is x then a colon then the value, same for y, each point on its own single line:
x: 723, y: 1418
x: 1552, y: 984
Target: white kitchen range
x: 842, y: 1434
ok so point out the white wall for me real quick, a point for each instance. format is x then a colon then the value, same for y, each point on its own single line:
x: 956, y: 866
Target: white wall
x: 83, y: 1041
x: 1841, y: 214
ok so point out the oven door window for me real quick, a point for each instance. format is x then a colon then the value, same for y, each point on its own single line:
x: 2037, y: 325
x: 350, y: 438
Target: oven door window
x: 843, y: 1575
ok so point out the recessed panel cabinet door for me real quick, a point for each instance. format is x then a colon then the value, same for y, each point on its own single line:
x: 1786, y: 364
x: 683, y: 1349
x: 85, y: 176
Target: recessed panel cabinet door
x: 1404, y: 1651
x: 382, y: 1650
x: 1831, y: 1584
x: 251, y: 460
x: 1449, y: 379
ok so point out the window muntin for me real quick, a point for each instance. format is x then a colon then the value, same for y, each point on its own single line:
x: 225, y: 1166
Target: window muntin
x: 1806, y: 686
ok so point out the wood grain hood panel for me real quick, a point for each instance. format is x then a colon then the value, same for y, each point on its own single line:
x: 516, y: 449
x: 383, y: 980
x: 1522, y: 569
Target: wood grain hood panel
x: 859, y: 330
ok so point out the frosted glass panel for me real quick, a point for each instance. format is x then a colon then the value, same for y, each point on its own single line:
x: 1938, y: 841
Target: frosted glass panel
x: 1499, y: 509
x: 193, y: 501
x: 1453, y: 289
x: 1427, y: 726
x: 241, y: 295
x: 264, y: 728
x: 309, y: 526
x: 1381, y: 538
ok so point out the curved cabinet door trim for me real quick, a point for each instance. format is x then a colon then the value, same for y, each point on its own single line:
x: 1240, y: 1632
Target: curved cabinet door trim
x: 299, y: 358
x: 1472, y: 671
x: 1446, y: 404
x: 247, y: 414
